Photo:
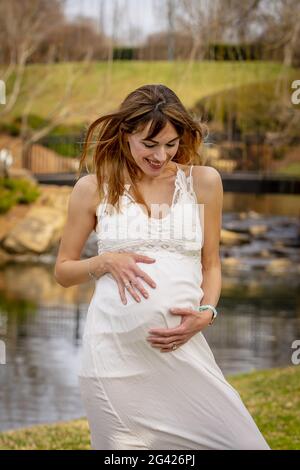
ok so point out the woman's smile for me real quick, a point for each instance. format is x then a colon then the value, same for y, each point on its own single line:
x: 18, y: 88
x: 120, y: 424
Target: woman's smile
x: 153, y: 164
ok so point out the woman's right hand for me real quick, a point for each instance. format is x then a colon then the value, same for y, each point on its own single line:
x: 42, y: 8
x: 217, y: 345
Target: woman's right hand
x: 123, y: 267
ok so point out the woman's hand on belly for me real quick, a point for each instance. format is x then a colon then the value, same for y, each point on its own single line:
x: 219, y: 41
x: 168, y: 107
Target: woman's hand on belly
x: 125, y: 270
x: 191, y: 323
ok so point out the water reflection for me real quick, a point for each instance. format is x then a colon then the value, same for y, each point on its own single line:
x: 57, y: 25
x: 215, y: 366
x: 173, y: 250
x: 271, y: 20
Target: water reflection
x: 259, y: 318
x: 266, y: 204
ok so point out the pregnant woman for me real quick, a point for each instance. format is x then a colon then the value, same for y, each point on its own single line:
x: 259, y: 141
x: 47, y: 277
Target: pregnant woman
x: 148, y: 378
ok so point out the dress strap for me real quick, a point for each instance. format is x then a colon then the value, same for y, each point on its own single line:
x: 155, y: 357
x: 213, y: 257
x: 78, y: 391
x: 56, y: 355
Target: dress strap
x: 190, y: 175
x: 182, y: 184
x: 190, y: 184
x: 103, y: 204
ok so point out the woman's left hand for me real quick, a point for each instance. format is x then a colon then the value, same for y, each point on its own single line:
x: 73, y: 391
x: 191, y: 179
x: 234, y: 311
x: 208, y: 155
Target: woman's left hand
x: 192, y: 322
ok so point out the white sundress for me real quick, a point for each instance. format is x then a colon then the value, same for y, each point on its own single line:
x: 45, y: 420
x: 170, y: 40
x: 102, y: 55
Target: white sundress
x: 135, y: 396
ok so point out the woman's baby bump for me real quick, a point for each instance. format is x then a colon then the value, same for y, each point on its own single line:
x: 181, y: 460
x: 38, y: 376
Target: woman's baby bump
x: 177, y: 285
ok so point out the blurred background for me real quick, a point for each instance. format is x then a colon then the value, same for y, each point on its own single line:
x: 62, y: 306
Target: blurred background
x: 63, y: 64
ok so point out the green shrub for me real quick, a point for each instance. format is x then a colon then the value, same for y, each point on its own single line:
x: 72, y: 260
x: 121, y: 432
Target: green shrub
x: 16, y: 191
x: 37, y: 122
x: 7, y: 200
x: 34, y: 121
x: 64, y: 129
x: 10, y: 128
x: 63, y: 139
x: 65, y: 146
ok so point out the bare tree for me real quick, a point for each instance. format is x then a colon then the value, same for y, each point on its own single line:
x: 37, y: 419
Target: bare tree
x: 73, y: 41
x: 171, y: 6
x: 24, y: 27
x: 238, y: 20
x: 198, y: 18
x: 280, y: 23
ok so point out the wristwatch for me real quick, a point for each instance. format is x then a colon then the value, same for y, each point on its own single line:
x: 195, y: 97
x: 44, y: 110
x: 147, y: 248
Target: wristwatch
x: 205, y: 307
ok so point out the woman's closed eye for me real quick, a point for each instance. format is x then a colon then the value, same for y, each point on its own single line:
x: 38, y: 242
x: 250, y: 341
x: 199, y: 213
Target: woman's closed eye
x: 168, y: 145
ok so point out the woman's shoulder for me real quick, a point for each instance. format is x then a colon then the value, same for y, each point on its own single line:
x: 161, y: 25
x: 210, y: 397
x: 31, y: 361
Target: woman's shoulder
x: 86, y: 185
x: 209, y: 173
x: 87, y: 188
x: 87, y: 180
x: 207, y: 181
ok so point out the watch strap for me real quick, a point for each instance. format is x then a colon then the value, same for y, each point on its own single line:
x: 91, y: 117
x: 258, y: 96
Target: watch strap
x: 208, y: 306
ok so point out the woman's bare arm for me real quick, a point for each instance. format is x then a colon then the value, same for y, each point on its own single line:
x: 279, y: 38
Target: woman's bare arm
x: 69, y: 269
x: 209, y: 189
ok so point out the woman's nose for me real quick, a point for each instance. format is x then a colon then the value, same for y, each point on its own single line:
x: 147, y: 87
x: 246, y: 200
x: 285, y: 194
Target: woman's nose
x: 160, y: 155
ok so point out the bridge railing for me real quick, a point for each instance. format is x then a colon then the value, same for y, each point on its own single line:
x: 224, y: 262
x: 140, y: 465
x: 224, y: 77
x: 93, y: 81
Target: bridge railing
x: 54, y: 154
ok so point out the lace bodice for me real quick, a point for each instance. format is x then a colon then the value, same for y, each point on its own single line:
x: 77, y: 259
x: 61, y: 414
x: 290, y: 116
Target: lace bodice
x: 179, y: 232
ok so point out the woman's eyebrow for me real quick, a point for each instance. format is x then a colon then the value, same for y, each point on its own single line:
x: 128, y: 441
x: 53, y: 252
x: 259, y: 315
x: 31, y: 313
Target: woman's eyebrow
x: 155, y: 141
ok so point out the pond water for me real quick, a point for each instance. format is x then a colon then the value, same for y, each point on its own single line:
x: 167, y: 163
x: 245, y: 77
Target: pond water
x: 41, y: 324
x: 264, y: 204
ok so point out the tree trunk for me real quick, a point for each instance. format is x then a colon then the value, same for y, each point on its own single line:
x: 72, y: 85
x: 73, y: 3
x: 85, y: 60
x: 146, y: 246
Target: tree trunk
x: 291, y: 47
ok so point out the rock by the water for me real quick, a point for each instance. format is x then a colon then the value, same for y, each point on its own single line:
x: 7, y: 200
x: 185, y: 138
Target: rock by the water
x: 258, y: 229
x: 277, y: 266
x: 228, y: 237
x: 245, y: 215
x: 231, y: 262
x: 37, y: 232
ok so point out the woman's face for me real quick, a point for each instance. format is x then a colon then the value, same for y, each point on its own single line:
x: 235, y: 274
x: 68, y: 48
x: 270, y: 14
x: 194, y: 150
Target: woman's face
x: 159, y: 150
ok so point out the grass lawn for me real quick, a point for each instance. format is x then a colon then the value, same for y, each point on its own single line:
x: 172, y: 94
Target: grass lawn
x: 292, y: 169
x: 272, y: 397
x: 104, y: 87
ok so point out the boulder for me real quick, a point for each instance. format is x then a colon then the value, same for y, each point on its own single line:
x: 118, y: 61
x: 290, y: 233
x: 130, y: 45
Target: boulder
x: 29, y: 230
x: 37, y: 232
x: 256, y: 230
x: 229, y: 237
x: 231, y: 262
x: 54, y: 196
x: 4, y: 257
x: 278, y: 266
x: 11, y: 218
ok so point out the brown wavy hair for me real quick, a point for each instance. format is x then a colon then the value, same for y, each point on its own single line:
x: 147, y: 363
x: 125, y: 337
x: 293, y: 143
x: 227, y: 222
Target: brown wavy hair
x: 111, y: 156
